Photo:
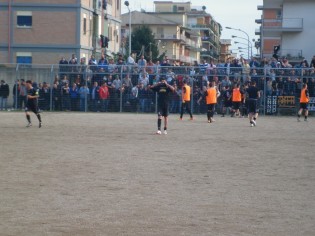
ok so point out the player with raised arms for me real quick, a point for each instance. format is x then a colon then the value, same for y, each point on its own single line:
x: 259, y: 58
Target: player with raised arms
x: 163, y: 89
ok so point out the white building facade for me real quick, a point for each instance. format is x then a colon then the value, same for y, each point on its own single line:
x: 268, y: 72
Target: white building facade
x: 289, y: 24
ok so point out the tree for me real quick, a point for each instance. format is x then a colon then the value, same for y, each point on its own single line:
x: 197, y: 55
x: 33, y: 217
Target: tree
x: 143, y: 43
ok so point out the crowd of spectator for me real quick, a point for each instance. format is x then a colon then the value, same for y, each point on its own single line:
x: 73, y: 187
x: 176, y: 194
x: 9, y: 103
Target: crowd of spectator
x: 109, y: 85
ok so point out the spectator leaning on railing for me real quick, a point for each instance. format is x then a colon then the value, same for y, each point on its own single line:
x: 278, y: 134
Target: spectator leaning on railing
x: 84, y: 93
x: 93, y: 64
x: 63, y: 67
x: 102, y: 63
x: 94, y: 97
x: 104, y: 97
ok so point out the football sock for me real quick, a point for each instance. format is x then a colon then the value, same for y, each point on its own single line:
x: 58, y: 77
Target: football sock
x: 38, y: 117
x: 159, y: 124
x: 211, y: 114
x: 208, y: 115
x: 28, y: 117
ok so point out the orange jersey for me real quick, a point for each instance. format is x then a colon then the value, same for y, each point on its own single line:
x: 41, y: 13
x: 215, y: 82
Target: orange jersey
x: 304, y: 96
x: 236, y: 95
x: 211, y: 97
x: 186, y: 93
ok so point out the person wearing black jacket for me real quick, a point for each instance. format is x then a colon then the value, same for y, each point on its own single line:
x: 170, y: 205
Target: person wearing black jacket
x: 4, y: 94
x: 56, y: 96
x: 95, y: 98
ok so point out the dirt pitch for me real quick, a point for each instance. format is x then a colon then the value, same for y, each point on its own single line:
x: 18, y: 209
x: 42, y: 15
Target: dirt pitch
x: 109, y: 174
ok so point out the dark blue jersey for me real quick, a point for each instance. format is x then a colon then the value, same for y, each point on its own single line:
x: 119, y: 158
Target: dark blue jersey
x: 252, y: 92
x: 163, y: 93
x: 32, y: 101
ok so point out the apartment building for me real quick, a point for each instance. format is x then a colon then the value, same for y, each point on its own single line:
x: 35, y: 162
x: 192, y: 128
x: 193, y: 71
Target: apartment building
x: 197, y: 22
x: 290, y: 25
x: 169, y: 35
x: 187, y: 34
x: 209, y: 30
x: 43, y: 31
x: 225, y: 52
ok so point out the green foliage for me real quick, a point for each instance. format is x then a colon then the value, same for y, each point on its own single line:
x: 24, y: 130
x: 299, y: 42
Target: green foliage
x: 142, y: 41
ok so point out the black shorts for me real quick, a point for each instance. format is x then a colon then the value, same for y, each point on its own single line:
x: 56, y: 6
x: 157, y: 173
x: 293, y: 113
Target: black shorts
x: 236, y: 105
x: 227, y: 103
x: 211, y: 107
x: 252, y: 105
x: 186, y: 104
x: 32, y: 108
x: 163, y: 110
x: 303, y: 106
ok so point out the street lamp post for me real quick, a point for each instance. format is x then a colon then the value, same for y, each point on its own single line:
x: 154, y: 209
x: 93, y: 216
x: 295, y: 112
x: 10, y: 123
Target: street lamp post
x: 127, y: 5
x: 248, y: 41
x: 244, y: 47
x: 247, y: 44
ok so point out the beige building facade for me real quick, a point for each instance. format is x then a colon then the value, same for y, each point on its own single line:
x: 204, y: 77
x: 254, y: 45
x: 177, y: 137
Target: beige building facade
x: 204, y: 31
x: 185, y: 34
x: 43, y: 31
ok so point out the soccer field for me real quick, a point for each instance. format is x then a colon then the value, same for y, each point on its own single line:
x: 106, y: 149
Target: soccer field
x: 110, y: 174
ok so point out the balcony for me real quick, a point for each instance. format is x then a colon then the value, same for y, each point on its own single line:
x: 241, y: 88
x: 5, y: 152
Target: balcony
x: 168, y: 36
x: 206, y: 54
x: 290, y: 54
x: 193, y: 44
x: 226, y: 52
x: 283, y: 25
x: 274, y: 4
x: 258, y: 31
x: 208, y: 39
x: 205, y: 27
x: 198, y: 26
x: 97, y: 6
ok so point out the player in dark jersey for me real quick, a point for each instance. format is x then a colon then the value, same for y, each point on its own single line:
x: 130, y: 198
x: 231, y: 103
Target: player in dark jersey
x: 32, y: 103
x: 163, y: 90
x: 252, y: 95
x: 226, y: 99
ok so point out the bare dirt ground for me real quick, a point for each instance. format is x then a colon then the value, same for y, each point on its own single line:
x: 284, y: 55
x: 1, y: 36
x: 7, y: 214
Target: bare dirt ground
x: 109, y: 174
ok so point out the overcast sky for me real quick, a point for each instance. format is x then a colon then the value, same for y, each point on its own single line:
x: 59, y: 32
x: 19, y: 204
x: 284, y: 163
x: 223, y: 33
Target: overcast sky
x: 240, y: 14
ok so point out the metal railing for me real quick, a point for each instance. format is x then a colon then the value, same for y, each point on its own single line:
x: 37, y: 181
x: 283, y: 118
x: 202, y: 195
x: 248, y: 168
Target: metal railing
x: 58, y: 92
x: 284, y: 24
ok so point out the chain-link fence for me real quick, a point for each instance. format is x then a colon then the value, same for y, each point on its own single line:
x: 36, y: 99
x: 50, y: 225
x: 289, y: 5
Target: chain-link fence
x: 124, y: 88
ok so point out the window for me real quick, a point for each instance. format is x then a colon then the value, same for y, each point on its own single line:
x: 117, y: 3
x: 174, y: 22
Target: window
x: 110, y: 33
x: 24, y: 58
x: 160, y: 32
x: 91, y: 24
x: 84, y: 25
x: 24, y: 19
